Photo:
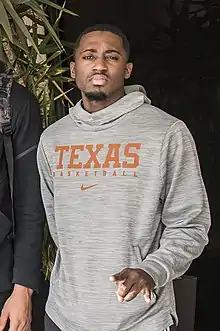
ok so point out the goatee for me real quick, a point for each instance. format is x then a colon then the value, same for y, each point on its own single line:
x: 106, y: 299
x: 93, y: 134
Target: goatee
x: 96, y: 96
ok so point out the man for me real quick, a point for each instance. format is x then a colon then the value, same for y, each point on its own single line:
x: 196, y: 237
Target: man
x: 124, y: 198
x: 20, y: 257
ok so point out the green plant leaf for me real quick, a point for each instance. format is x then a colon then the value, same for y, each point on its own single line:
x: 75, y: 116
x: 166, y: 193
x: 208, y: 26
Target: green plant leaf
x: 14, y: 42
x: 19, y: 2
x: 22, y: 61
x: 45, y: 106
x: 43, y: 76
x: 53, y: 56
x: 54, y: 5
x: 22, y: 39
x: 44, y: 43
x: 68, y: 44
x: 10, y: 9
x: 62, y: 79
x: 37, y: 8
x: 3, y: 56
x: 34, y: 86
x: 4, y: 21
x: 22, y: 9
x: 55, y: 27
x: 47, y: 25
x: 49, y: 49
x: 60, y: 71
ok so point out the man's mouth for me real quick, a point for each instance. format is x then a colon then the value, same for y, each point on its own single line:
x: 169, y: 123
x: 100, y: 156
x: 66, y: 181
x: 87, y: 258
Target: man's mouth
x: 99, y: 79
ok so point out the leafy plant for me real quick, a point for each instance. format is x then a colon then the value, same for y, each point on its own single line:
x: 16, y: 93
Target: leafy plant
x: 34, y: 54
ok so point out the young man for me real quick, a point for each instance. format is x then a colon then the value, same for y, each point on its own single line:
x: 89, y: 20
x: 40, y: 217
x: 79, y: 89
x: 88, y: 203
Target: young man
x: 124, y: 198
x: 20, y: 257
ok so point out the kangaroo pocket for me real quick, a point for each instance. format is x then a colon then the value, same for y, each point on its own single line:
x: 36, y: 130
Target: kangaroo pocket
x: 84, y: 288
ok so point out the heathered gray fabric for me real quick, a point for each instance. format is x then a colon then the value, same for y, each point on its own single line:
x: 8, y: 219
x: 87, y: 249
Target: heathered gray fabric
x: 143, y: 169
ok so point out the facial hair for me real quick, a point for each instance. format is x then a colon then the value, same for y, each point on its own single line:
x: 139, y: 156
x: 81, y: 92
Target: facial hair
x: 96, y: 96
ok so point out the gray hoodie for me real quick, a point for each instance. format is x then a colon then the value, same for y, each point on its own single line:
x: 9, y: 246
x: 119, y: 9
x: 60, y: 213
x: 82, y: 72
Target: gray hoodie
x: 122, y: 188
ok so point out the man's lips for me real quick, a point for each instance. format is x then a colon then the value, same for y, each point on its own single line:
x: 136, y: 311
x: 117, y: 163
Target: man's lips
x: 98, y: 79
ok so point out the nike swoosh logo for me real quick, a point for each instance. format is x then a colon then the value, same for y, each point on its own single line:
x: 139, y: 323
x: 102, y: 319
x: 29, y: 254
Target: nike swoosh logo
x: 84, y: 188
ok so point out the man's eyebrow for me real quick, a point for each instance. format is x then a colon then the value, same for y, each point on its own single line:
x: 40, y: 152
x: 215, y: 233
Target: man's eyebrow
x: 113, y: 51
x: 93, y: 50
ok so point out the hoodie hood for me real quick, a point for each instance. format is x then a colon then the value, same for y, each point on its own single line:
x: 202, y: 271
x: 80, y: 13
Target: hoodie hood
x: 135, y: 96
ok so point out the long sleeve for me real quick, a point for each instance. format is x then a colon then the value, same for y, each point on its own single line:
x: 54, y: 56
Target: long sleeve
x: 28, y: 206
x: 46, y: 181
x: 186, y: 215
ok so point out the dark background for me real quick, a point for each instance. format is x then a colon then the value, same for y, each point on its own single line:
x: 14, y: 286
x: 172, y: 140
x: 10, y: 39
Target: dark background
x: 176, y: 54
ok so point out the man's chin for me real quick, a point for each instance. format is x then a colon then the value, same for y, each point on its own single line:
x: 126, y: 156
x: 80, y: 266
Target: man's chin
x: 97, y: 95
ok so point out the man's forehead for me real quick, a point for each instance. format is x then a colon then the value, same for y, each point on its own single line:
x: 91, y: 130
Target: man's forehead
x: 96, y: 38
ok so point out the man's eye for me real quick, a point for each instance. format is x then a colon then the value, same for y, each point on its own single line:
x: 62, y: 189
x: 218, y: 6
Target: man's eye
x: 112, y: 57
x: 88, y: 57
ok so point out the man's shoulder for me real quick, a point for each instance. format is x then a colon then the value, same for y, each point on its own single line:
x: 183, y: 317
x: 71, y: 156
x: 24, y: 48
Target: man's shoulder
x: 155, y: 118
x: 24, y: 108
x: 21, y: 93
x: 22, y: 101
x: 56, y: 129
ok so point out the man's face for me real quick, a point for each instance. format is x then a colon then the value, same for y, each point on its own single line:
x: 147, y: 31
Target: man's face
x: 100, y: 65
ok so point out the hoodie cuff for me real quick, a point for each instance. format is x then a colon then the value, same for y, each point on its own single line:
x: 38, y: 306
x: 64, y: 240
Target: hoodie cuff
x: 157, y: 272
x: 27, y: 280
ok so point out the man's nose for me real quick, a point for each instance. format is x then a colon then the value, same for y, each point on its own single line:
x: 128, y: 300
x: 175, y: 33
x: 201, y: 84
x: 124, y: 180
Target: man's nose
x: 100, y: 65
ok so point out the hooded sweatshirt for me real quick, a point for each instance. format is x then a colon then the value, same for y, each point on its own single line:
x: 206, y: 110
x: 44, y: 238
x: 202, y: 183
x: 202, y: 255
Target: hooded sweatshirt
x: 122, y: 188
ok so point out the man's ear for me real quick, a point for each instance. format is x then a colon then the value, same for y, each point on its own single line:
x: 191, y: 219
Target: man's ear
x: 72, y: 70
x: 128, y: 70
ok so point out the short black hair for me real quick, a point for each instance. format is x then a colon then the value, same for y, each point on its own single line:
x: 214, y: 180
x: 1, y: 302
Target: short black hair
x: 108, y: 28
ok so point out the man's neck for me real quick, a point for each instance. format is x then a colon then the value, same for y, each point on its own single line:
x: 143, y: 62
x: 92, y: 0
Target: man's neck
x: 94, y: 106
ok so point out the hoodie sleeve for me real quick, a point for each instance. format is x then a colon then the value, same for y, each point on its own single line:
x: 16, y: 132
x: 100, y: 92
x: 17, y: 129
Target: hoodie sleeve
x: 185, y: 215
x: 28, y: 206
x: 46, y: 180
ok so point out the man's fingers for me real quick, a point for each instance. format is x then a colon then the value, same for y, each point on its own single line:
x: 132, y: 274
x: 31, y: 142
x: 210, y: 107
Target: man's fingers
x: 130, y: 282
x: 116, y: 278
x: 24, y: 327
x: 113, y: 278
x: 121, y: 276
x: 124, y: 287
x: 134, y: 291
x: 3, y: 320
x: 14, y: 325
x: 120, y: 299
x: 148, y: 295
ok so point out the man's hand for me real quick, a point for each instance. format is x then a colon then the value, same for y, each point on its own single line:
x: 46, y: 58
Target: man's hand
x: 17, y: 309
x: 131, y: 282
